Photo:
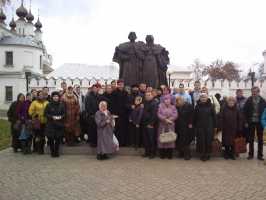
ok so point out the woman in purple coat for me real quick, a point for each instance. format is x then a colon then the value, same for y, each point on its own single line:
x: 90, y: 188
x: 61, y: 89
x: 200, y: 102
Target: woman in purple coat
x: 167, y: 115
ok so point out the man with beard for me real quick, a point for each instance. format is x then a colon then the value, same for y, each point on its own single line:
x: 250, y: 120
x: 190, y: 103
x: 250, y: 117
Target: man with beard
x: 121, y: 111
x: 109, y: 98
x: 91, y: 107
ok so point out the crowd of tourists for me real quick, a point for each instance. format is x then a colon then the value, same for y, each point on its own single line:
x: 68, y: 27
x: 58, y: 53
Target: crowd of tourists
x: 161, y: 120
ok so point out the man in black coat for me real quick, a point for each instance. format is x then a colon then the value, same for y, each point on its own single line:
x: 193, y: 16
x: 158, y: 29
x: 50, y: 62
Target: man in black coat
x: 253, y: 110
x: 148, y: 121
x: 120, y: 109
x: 91, y: 107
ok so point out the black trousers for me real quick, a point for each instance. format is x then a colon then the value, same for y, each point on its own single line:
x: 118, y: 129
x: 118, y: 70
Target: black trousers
x: 92, y: 132
x: 134, y: 135
x: 149, y: 136
x: 255, y: 127
x: 26, y: 145
x: 54, y: 144
x: 39, y: 140
x: 229, y: 150
x: 15, y: 135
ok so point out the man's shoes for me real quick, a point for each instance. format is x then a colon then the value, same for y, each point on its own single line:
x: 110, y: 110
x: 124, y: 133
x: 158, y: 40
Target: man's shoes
x: 250, y: 157
x: 260, y: 158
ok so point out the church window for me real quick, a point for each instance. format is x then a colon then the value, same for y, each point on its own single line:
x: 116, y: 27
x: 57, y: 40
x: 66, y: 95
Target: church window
x: 9, y: 58
x: 9, y: 93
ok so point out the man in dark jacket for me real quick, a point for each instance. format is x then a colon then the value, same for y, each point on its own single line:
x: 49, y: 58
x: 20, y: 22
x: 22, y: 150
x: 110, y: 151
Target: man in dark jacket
x: 253, y: 110
x: 149, y: 119
x: 91, y: 107
x: 120, y: 109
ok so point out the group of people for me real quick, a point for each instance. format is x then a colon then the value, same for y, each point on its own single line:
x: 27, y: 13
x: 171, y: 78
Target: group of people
x: 158, y: 119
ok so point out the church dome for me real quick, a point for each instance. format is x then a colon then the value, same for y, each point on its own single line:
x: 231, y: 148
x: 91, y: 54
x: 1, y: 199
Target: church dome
x: 30, y: 17
x: 38, y: 24
x: 22, y: 11
x: 12, y: 24
x: 2, y: 15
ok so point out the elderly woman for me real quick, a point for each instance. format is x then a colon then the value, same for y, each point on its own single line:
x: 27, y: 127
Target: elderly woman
x: 167, y: 115
x: 230, y: 123
x: 184, y: 127
x: 72, y: 127
x: 105, y: 131
x: 204, y: 122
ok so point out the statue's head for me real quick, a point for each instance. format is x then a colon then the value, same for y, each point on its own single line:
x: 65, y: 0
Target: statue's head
x: 132, y: 36
x: 149, y: 39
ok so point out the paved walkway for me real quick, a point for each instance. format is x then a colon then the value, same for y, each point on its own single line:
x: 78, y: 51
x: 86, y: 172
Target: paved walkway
x: 78, y: 177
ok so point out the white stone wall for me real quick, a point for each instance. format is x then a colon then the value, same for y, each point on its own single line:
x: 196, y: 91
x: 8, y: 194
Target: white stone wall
x: 223, y: 87
x: 18, y: 83
x: 23, y: 57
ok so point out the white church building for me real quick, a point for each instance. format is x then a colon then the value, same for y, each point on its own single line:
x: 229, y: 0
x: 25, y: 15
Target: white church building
x: 22, y: 54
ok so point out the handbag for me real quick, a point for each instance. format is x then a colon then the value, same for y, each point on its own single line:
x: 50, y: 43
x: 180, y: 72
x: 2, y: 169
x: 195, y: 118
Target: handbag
x: 167, y: 137
x: 216, y: 147
x: 240, y: 145
x: 116, y: 143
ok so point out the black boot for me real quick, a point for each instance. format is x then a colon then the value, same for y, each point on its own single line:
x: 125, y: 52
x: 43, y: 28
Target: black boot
x: 162, y: 153
x: 169, y: 153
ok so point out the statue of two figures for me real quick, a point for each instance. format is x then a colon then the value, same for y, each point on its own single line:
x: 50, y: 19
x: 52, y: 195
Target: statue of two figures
x: 142, y: 62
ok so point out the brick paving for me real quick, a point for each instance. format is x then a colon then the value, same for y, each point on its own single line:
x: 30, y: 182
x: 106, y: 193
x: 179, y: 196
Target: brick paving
x: 78, y: 177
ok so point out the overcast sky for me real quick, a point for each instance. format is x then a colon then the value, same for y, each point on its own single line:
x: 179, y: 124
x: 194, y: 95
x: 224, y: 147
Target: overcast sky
x: 87, y: 31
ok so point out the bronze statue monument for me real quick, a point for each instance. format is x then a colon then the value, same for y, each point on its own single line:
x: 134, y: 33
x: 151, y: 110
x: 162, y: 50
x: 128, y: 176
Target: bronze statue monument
x: 141, y: 62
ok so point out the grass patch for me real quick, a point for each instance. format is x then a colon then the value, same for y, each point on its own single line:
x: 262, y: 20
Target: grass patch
x: 4, y: 134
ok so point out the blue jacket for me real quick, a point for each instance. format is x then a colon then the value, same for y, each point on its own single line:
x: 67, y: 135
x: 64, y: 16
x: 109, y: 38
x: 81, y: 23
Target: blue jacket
x: 263, y: 119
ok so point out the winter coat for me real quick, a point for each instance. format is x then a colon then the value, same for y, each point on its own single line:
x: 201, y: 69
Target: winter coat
x: 248, y: 108
x: 37, y: 109
x: 231, y: 124
x: 166, y: 112
x: 105, y: 144
x: 149, y: 115
x: 55, y: 128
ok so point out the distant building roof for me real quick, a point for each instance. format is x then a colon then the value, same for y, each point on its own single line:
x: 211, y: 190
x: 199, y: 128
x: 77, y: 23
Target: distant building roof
x: 23, y: 41
x: 72, y: 70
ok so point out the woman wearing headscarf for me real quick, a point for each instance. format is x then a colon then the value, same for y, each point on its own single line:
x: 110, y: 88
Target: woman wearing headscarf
x: 184, y: 127
x: 36, y: 112
x: 55, y: 114
x: 72, y: 128
x: 231, y: 125
x: 105, y: 131
x: 204, y: 122
x: 13, y: 115
x: 167, y: 115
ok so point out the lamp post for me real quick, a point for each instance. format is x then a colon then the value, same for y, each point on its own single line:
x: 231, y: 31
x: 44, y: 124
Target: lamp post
x: 27, y: 75
x: 169, y: 79
x: 251, y: 74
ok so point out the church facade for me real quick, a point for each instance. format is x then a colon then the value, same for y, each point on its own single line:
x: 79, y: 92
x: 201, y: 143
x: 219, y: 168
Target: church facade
x: 22, y: 54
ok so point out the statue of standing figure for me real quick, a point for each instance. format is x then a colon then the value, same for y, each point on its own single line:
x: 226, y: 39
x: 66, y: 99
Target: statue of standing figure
x: 142, y: 62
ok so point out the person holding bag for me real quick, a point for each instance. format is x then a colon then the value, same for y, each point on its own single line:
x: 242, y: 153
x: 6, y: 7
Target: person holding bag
x: 167, y: 115
x: 55, y: 114
x: 231, y: 125
x: 105, y: 131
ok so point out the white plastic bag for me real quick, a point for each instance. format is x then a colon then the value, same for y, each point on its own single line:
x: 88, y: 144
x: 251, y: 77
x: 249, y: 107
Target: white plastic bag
x: 116, y: 143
